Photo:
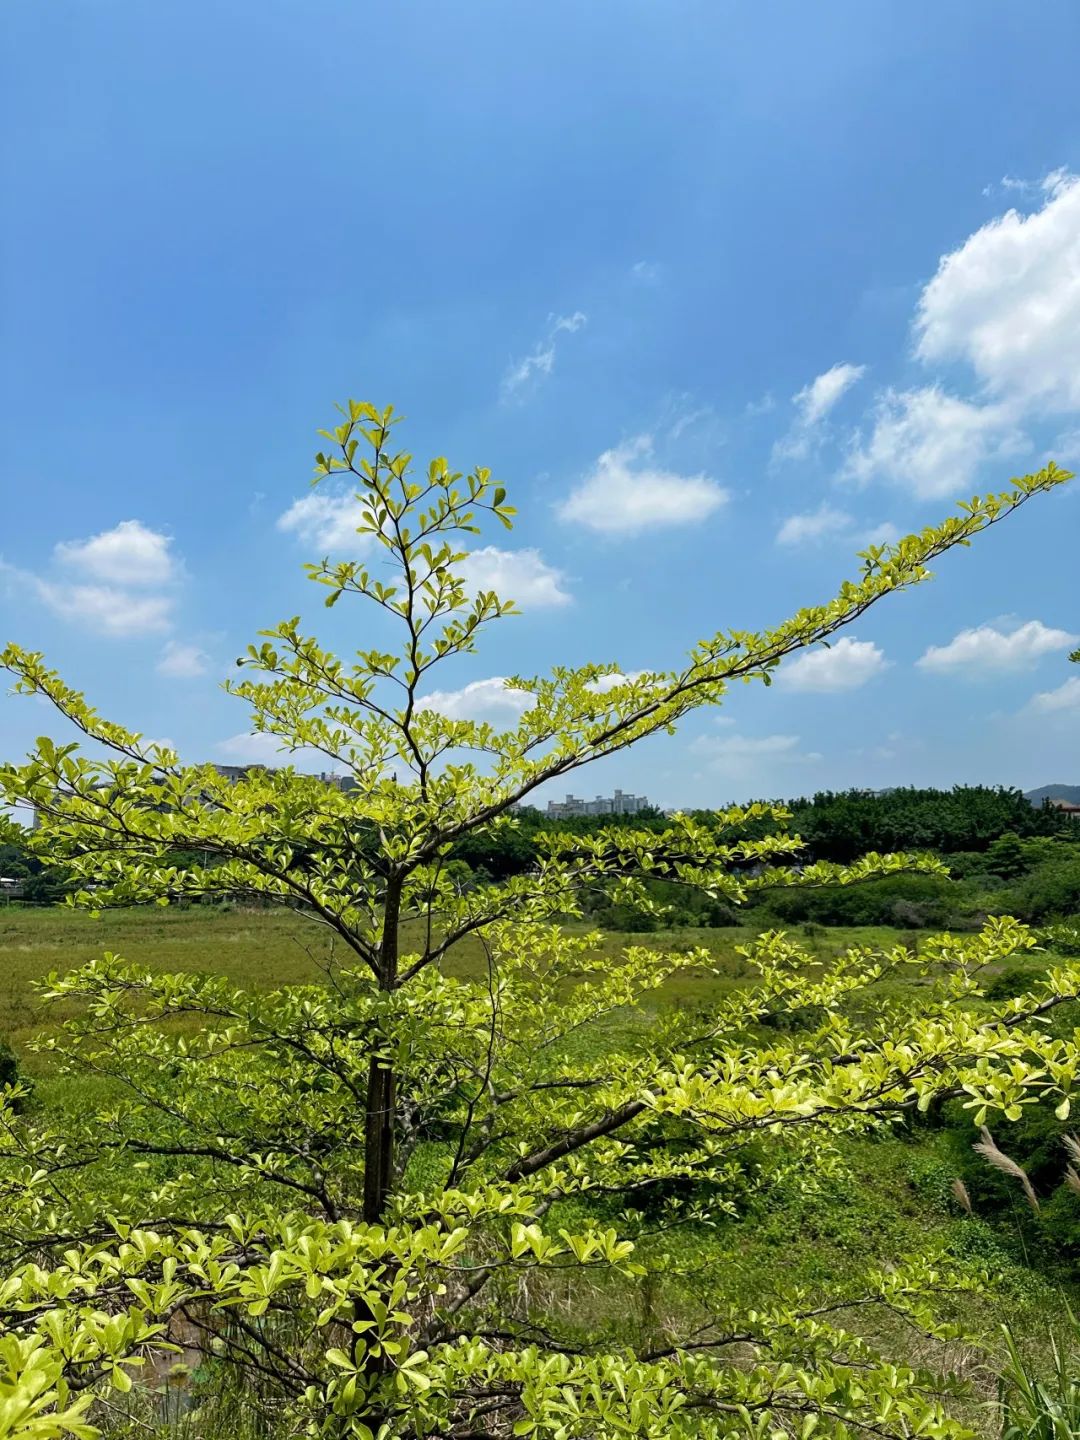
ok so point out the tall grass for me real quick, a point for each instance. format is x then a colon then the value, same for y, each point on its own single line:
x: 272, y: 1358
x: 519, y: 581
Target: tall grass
x: 1044, y: 1406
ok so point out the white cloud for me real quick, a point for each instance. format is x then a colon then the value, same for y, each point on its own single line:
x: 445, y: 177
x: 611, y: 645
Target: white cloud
x: 488, y: 700
x: 129, y: 554
x: 1009, y: 182
x: 1065, y: 697
x: 646, y: 272
x: 105, y: 608
x: 1008, y: 303
x: 987, y: 648
x: 813, y: 404
x: 570, y: 323
x: 540, y: 361
x: 765, y: 406
x: 256, y: 749
x: 181, y: 661
x: 746, y: 756
x: 845, y: 665
x: 326, y: 520
x: 689, y: 418
x: 129, y: 562
x: 828, y: 523
x: 814, y: 401
x: 621, y: 496
x: 930, y: 443
x: 606, y: 683
x: 814, y: 525
x: 520, y: 575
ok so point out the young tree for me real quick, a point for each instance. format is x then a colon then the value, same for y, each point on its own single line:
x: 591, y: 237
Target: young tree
x: 359, y: 1195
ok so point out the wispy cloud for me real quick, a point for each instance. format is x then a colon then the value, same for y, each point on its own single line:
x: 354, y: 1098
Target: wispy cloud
x: 106, y: 609
x: 813, y: 404
x: 181, y: 661
x: 813, y: 527
x: 765, y: 406
x: 749, y: 757
x: 1065, y: 698
x: 255, y: 749
x: 524, y: 374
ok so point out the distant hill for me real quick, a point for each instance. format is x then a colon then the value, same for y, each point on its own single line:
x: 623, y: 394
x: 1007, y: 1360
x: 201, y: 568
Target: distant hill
x: 1054, y: 792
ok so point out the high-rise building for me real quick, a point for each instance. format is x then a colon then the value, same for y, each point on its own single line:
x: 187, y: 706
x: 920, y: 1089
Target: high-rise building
x: 621, y: 803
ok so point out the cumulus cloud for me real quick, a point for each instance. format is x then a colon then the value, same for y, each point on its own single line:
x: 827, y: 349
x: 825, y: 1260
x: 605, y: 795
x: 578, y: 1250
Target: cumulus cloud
x: 540, y: 361
x: 129, y: 554
x: 1007, y: 302
x: 845, y: 665
x: 179, y: 661
x: 1006, y: 305
x: 812, y: 405
x: 520, y: 575
x: 326, y: 520
x: 625, y: 493
x: 931, y: 443
x: 117, y: 583
x: 1065, y: 697
x: 490, y: 700
x: 985, y: 648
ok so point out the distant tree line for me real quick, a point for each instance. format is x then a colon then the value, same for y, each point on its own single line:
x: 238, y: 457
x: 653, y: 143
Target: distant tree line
x: 835, y: 825
x: 1005, y: 855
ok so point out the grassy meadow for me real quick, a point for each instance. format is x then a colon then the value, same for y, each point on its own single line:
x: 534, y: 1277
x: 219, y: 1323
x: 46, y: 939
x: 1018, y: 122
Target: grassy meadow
x: 270, y: 948
x: 893, y: 1196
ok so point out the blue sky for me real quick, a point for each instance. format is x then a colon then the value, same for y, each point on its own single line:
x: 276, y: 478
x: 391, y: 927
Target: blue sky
x: 719, y: 290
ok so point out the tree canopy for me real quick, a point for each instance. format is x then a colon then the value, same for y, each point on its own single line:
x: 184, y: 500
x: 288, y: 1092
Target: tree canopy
x: 361, y: 1194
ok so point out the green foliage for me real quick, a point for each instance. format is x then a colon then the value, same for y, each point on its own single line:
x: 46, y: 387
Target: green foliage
x: 1041, y: 1401
x: 966, y: 818
x: 1049, y: 893
x: 911, y: 901
x: 360, y: 1192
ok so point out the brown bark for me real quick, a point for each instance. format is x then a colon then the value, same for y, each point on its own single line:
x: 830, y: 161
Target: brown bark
x: 379, y: 1128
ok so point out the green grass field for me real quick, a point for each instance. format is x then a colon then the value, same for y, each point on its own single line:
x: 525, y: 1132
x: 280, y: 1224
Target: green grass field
x: 894, y: 1198
x: 272, y: 948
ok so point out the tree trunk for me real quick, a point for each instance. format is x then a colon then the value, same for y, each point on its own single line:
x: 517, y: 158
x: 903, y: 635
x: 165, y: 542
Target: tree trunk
x: 379, y: 1133
x: 378, y: 1140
